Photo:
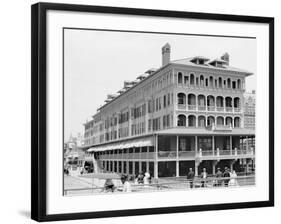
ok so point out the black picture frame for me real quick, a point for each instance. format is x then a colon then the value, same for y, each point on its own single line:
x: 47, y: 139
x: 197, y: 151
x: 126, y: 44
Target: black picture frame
x: 39, y: 108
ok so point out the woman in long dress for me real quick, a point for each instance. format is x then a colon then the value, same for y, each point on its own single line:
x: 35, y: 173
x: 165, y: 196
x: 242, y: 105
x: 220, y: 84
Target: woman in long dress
x: 233, y: 179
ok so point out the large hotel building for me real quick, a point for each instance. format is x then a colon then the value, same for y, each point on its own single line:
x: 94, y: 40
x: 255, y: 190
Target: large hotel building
x: 186, y: 114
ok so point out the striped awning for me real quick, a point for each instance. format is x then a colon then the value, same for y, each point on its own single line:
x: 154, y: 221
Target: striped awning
x: 123, y: 145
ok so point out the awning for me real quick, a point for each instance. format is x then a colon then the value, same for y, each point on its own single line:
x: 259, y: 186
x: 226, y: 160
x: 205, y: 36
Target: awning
x: 145, y: 142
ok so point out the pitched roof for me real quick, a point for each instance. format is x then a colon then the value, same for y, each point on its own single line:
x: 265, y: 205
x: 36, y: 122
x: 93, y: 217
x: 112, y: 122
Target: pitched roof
x: 188, y: 62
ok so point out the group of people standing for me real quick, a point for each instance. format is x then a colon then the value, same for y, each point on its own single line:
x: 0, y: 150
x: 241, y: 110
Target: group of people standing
x: 225, y: 178
x: 141, y: 179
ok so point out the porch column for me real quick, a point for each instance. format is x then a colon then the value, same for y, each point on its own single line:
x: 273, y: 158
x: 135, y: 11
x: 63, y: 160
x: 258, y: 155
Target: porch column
x: 196, y: 144
x: 213, y: 144
x: 196, y: 167
x: 247, y: 144
x: 156, y: 169
x: 147, y: 166
x: 231, y: 164
x: 177, y: 169
x: 177, y: 156
x: 214, y: 163
x: 230, y: 144
x: 156, y: 158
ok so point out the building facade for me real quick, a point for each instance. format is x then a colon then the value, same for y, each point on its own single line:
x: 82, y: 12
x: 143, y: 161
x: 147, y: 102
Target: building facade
x: 250, y: 110
x: 186, y: 114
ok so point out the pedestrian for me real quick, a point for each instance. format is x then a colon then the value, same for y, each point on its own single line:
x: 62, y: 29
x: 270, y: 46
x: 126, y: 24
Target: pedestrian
x: 140, y: 178
x: 219, y: 176
x: 146, y: 178
x: 226, y: 176
x: 190, y: 177
x: 204, y: 175
x: 233, y: 179
x: 126, y: 184
x: 109, y: 185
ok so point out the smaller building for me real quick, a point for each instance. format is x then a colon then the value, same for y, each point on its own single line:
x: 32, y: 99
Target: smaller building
x: 250, y: 110
x: 74, y: 154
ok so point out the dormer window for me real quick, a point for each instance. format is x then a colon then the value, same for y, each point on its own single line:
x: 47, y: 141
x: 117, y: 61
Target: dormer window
x: 199, y: 60
x: 218, y: 63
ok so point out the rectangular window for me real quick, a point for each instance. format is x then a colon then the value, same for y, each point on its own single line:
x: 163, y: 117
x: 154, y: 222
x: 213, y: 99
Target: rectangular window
x: 168, y: 99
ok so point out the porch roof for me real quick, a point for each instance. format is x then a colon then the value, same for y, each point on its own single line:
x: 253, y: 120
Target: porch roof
x: 206, y: 131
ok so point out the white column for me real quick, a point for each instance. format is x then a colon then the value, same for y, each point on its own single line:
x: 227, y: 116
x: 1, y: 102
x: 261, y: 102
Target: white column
x: 177, y: 169
x: 196, y: 144
x: 213, y: 144
x: 247, y: 144
x: 230, y: 144
x: 156, y: 158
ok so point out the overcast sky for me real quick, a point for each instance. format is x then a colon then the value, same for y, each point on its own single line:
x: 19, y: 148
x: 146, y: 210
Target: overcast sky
x: 97, y: 63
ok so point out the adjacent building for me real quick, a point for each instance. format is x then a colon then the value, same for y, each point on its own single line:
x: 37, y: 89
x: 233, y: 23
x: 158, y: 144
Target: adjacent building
x: 187, y: 113
x: 250, y: 110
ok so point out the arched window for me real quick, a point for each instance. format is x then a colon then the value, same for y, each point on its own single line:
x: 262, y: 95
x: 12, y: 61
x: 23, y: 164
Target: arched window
x: 182, y: 120
x: 191, y: 79
x: 201, y: 80
x: 191, y: 99
x: 181, y: 98
x: 237, y: 122
x: 220, y: 121
x: 238, y: 84
x: 220, y: 82
x: 210, y: 121
x: 228, y: 121
x: 211, y: 81
x: 191, y: 121
x: 201, y: 121
x: 179, y: 78
x: 206, y: 82
x: 228, y: 102
x: 237, y: 102
x: 220, y: 105
x: 229, y: 83
x: 201, y: 100
x: 210, y: 101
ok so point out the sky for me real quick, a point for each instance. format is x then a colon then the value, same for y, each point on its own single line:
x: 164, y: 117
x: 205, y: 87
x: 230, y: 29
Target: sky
x: 97, y: 62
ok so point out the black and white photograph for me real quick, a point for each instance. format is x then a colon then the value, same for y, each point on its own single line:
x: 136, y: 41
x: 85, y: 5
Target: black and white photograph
x: 148, y: 111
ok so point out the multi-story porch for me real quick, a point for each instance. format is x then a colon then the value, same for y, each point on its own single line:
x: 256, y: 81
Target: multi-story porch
x: 172, y: 152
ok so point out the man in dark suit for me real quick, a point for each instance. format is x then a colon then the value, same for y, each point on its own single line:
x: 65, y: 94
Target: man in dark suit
x: 190, y: 177
x: 226, y: 175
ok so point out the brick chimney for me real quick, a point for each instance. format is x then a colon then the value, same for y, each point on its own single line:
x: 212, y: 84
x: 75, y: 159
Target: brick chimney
x: 166, y: 50
x: 225, y: 57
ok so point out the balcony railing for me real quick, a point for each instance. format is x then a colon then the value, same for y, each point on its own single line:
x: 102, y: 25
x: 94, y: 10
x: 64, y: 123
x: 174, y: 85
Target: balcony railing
x: 181, y: 106
x: 220, y: 108
x: 229, y: 109
x: 181, y: 154
x: 211, y: 108
x: 202, y: 108
x: 167, y: 154
x: 191, y: 107
x: 237, y: 109
x: 186, y: 154
x: 208, y: 108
